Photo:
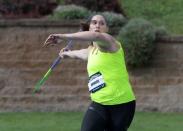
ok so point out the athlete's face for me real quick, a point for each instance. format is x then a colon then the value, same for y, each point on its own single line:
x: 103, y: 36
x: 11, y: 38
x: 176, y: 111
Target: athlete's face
x: 98, y: 24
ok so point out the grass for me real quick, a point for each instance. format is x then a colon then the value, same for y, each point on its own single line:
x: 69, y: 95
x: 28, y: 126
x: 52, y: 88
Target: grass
x: 65, y: 121
x: 70, y: 121
x: 148, y: 121
x: 166, y: 13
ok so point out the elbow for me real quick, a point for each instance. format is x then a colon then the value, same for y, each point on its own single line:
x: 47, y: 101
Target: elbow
x: 98, y: 36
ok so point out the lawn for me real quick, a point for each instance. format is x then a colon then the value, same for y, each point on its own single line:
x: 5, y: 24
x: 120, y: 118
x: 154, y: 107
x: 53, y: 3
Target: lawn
x: 167, y: 13
x: 70, y: 121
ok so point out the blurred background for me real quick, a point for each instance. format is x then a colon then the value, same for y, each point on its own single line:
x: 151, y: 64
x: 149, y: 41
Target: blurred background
x: 151, y: 33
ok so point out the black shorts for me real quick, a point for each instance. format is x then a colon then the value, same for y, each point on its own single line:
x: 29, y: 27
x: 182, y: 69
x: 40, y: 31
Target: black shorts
x: 108, y: 117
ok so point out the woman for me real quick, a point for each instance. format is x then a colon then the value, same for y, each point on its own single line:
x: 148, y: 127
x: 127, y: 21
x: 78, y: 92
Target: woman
x: 113, y: 102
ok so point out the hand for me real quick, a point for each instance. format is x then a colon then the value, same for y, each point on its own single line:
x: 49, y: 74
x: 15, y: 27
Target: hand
x: 64, y: 53
x: 52, y: 40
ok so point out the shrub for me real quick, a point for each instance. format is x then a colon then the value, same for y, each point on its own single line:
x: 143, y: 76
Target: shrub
x: 26, y: 8
x: 161, y: 31
x: 114, y: 19
x: 70, y: 12
x: 137, y: 38
x: 98, y: 5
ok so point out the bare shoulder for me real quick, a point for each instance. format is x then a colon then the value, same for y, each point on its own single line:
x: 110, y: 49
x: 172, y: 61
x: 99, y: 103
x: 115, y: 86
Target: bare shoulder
x: 90, y: 47
x: 110, y: 44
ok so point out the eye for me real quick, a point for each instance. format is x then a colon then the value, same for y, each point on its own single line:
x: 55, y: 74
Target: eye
x: 102, y: 23
x: 93, y: 22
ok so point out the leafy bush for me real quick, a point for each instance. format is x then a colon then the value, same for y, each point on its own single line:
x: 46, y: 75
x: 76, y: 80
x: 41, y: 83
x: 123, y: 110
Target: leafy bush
x: 97, y: 5
x: 60, y: 2
x: 70, y: 12
x: 114, y: 19
x: 161, y: 31
x: 26, y: 8
x: 137, y: 38
x: 78, y: 12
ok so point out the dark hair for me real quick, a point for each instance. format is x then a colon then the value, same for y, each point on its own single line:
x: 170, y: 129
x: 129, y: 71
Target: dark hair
x: 84, y: 26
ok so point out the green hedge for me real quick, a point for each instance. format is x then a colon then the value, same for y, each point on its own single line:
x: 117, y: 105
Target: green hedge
x: 138, y: 39
x: 113, y: 19
x: 70, y: 12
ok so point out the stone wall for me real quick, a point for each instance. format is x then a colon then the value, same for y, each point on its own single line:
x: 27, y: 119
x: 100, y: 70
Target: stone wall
x: 23, y: 61
x: 159, y: 87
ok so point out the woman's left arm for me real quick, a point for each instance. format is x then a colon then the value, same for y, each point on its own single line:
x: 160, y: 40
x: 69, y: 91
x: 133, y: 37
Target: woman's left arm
x: 80, y: 54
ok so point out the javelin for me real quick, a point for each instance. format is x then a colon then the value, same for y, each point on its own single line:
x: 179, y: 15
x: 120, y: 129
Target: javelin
x: 47, y: 74
x: 84, y: 27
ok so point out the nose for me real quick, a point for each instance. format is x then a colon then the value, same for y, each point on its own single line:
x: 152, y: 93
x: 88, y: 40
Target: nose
x: 98, y: 25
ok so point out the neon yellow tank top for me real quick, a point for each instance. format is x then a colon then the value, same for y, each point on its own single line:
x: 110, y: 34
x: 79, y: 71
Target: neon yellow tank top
x: 112, y: 66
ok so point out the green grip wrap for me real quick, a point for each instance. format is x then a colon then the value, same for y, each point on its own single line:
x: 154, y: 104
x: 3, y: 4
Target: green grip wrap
x: 41, y: 82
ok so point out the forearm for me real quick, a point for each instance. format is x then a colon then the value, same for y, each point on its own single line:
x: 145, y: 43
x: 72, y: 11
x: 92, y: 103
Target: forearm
x: 86, y: 36
x: 77, y: 54
x: 80, y: 54
x: 105, y: 41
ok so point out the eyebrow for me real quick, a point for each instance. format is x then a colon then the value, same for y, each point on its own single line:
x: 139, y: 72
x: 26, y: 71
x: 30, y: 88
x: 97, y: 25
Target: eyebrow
x: 99, y: 21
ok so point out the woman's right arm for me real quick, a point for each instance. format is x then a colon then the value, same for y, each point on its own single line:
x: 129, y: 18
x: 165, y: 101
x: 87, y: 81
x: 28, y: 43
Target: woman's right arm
x: 79, y: 54
x: 105, y: 41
